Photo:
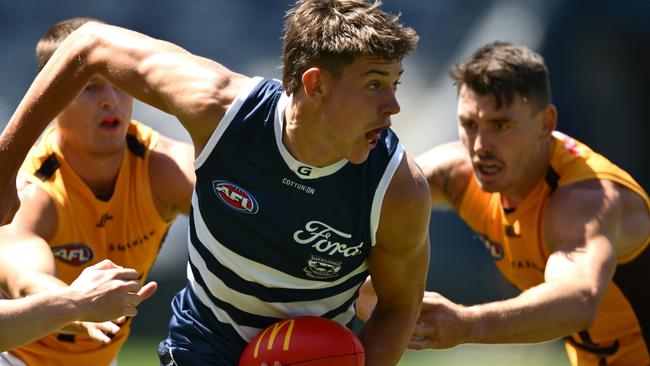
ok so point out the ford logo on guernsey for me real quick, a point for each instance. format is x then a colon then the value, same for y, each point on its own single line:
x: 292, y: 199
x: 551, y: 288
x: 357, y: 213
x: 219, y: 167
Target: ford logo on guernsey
x: 74, y: 254
x: 235, y: 196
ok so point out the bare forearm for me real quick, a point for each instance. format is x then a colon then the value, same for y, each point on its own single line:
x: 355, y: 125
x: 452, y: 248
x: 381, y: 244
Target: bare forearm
x: 31, y: 117
x: 27, y: 319
x: 385, y: 336
x: 33, y: 283
x: 539, y: 314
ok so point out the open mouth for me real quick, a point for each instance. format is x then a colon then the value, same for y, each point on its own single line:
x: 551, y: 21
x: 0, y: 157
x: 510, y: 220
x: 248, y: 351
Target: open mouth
x: 488, y: 168
x: 110, y: 122
x: 372, y: 137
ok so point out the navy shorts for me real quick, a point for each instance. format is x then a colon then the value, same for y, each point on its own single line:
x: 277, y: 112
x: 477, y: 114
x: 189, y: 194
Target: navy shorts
x: 191, y: 343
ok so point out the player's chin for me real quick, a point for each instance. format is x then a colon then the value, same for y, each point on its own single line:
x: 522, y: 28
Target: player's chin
x: 359, y: 157
x: 491, y: 182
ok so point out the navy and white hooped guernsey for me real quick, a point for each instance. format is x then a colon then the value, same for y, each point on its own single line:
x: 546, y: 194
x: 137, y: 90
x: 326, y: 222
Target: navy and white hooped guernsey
x: 271, y: 237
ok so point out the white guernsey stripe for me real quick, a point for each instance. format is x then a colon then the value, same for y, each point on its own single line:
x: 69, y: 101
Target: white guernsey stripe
x: 247, y: 333
x: 225, y: 121
x: 253, y: 271
x: 378, y: 199
x: 253, y: 305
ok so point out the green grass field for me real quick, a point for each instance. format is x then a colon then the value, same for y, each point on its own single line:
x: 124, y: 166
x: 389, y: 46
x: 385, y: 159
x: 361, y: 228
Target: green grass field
x: 142, y: 352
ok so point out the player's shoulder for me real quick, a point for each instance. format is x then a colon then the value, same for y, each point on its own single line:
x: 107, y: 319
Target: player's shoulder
x: 170, y: 157
x: 571, y: 206
x: 408, y: 189
x: 37, y: 212
x: 451, y: 157
x: 448, y: 170
x: 406, y: 208
x: 171, y: 174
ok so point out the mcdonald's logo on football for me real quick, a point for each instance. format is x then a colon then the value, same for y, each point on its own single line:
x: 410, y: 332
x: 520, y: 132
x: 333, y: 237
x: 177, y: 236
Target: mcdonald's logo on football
x: 273, y: 332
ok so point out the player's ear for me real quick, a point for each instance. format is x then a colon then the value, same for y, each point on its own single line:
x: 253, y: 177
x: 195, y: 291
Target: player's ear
x: 549, y: 119
x: 315, y: 82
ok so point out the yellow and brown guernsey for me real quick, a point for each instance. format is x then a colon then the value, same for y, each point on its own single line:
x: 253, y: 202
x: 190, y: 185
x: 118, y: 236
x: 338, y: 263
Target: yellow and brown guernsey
x: 621, y: 332
x: 126, y: 229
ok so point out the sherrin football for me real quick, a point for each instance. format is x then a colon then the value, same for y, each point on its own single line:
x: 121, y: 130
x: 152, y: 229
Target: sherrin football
x: 305, y: 341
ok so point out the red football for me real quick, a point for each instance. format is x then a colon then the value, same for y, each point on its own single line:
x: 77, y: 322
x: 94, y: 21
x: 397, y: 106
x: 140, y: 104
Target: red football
x: 305, y: 341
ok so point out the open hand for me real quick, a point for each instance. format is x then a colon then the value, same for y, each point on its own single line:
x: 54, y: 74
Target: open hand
x: 106, y: 291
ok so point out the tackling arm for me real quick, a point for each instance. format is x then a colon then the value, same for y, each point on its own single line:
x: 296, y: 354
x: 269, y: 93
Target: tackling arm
x: 102, y: 292
x: 577, y: 272
x: 196, y: 90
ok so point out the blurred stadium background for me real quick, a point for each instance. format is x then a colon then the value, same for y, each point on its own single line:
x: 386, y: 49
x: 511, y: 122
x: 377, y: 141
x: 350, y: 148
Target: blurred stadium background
x: 597, y: 53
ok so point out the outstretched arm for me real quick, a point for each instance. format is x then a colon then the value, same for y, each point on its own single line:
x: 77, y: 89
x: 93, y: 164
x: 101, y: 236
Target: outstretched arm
x: 398, y: 266
x: 577, y: 273
x: 196, y: 90
x: 102, y: 292
x: 26, y: 262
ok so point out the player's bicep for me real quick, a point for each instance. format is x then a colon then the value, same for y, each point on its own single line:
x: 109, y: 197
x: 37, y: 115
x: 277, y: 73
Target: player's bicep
x: 25, y: 259
x: 23, y: 243
x: 582, y: 236
x: 400, y: 258
x: 195, y: 89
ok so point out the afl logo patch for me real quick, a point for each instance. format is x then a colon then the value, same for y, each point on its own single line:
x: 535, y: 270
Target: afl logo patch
x: 74, y: 254
x: 235, y: 196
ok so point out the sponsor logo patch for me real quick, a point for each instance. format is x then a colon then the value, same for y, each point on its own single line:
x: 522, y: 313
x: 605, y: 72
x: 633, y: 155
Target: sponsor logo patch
x: 326, y: 239
x: 104, y: 219
x: 235, y: 197
x: 495, y: 249
x: 322, y: 268
x: 74, y: 254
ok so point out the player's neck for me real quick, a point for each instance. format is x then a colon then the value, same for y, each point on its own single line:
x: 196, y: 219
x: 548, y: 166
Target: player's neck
x: 304, y: 142
x: 514, y: 195
x: 99, y: 172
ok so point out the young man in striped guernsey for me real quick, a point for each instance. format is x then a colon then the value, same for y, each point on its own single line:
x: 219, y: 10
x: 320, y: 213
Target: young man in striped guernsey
x: 563, y: 224
x: 302, y: 189
x: 97, y: 185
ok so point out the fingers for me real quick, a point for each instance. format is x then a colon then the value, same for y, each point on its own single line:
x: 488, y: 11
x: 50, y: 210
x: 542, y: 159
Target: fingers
x: 105, y: 264
x: 147, y: 291
x: 423, y: 330
x: 108, y: 327
x: 75, y: 327
x: 423, y: 336
x: 101, y: 332
x: 106, y: 271
x: 126, y: 274
x: 134, y: 299
x: 419, y: 343
x: 98, y: 335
